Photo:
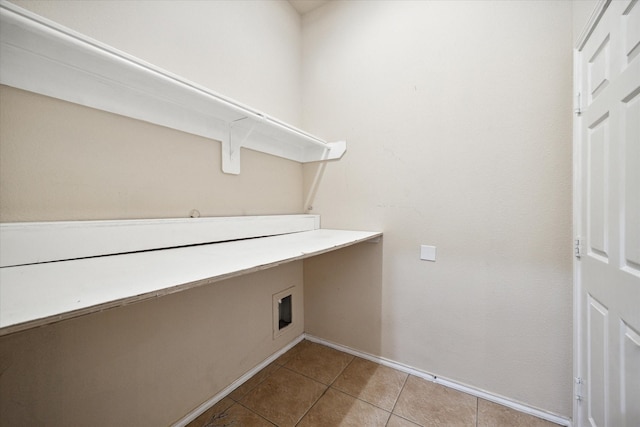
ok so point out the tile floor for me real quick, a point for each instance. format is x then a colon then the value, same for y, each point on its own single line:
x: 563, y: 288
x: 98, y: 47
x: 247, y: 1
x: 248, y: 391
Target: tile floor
x: 314, y: 385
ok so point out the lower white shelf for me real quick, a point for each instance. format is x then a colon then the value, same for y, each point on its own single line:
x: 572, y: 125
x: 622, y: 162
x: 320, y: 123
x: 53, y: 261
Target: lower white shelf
x: 39, y: 294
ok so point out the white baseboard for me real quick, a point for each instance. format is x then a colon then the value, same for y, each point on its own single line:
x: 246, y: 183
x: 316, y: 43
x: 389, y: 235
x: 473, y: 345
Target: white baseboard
x: 234, y: 385
x: 382, y: 361
x: 448, y: 383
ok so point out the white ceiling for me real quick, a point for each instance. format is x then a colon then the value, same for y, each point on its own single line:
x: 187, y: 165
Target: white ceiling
x: 304, y: 6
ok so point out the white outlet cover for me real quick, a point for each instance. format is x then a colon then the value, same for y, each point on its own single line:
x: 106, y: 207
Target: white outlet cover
x: 427, y: 253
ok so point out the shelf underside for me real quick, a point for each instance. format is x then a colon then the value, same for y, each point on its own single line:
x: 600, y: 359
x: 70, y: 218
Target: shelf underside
x: 40, y: 294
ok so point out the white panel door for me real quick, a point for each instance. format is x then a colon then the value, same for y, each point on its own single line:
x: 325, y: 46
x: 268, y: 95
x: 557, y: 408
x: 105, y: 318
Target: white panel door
x: 608, y: 221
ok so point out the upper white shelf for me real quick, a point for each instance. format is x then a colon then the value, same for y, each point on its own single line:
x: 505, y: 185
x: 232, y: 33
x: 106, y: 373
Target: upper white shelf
x: 108, y: 274
x: 42, y: 56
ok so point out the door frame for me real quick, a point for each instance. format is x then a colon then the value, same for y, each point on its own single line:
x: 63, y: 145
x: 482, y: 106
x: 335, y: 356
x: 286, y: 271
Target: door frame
x: 577, y: 389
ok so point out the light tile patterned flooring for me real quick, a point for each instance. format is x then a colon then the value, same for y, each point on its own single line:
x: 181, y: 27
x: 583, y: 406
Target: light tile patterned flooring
x: 314, y: 385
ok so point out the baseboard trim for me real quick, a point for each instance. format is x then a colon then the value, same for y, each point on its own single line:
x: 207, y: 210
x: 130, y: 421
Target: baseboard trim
x: 448, y: 383
x: 382, y: 361
x: 234, y: 385
x: 377, y: 359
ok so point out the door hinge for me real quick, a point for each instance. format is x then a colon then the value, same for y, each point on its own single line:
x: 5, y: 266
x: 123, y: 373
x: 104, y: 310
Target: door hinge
x: 577, y: 247
x: 578, y: 388
x: 578, y: 106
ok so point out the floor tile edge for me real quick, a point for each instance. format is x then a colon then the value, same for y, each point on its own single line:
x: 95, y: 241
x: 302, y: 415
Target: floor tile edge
x: 448, y: 383
x: 234, y: 385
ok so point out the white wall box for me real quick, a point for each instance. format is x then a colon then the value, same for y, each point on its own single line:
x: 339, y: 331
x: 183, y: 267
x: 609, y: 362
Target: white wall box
x: 283, y: 311
x: 41, y: 56
x: 129, y: 261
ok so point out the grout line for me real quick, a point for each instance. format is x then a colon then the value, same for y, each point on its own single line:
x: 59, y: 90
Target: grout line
x: 203, y: 407
x: 399, y: 394
x: 375, y: 359
x: 315, y: 379
x: 337, y: 390
x: 331, y: 385
x: 253, y: 412
x: 343, y: 369
x: 358, y: 398
x: 390, y: 411
x: 312, y: 406
x: 408, y: 420
x: 277, y: 367
x: 396, y: 403
x: 306, y: 376
x: 473, y: 391
x: 388, y: 419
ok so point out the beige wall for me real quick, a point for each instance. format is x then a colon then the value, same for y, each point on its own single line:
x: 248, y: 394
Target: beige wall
x: 77, y: 163
x: 146, y: 364
x: 62, y: 161
x: 153, y: 362
x: 458, y: 122
x: 246, y: 50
